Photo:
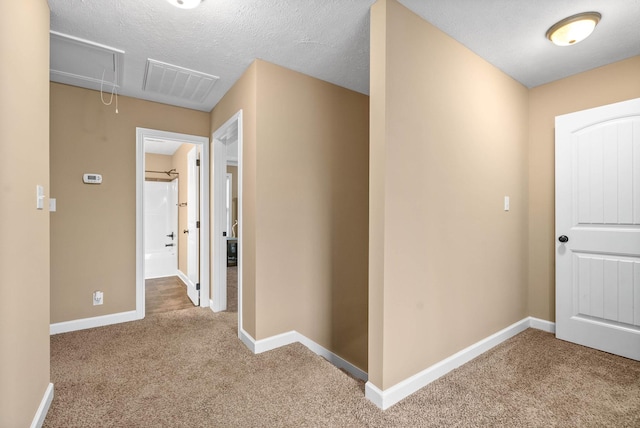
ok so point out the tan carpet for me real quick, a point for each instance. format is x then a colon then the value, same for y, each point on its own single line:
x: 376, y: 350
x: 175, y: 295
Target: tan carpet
x: 188, y: 369
x: 232, y: 289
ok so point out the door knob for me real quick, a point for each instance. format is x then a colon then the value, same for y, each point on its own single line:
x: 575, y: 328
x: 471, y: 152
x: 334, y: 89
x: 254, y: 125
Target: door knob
x: 168, y: 245
x: 185, y: 231
x: 563, y: 238
x: 170, y: 236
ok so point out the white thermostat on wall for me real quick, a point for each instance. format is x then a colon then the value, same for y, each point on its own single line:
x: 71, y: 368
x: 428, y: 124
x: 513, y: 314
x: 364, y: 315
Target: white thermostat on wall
x: 92, y: 178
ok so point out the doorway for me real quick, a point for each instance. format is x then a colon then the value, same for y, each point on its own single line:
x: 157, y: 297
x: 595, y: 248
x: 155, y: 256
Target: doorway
x: 227, y: 216
x: 191, y: 237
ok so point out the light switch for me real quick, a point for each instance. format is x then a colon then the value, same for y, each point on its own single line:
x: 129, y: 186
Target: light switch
x: 506, y: 203
x: 39, y: 197
x: 52, y: 204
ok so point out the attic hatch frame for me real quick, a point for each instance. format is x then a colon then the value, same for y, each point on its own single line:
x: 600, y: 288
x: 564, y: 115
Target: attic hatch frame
x: 76, y: 67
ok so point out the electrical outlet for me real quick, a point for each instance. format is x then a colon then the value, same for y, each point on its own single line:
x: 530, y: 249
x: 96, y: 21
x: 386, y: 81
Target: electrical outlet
x: 97, y: 298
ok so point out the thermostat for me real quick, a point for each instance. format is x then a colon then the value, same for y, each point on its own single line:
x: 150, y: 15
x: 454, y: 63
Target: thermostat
x: 92, y: 178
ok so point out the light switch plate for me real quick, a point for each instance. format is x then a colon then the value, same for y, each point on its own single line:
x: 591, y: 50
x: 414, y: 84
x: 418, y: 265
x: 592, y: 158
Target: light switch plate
x: 506, y: 203
x: 39, y: 197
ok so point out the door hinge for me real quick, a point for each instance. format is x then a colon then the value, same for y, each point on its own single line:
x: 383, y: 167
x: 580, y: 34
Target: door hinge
x: 198, y: 224
x: 197, y: 162
x: 197, y: 286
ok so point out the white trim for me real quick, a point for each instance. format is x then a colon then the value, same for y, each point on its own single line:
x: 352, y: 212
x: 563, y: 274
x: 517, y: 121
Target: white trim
x: 141, y: 135
x: 246, y: 338
x: 277, y: 341
x: 280, y: 340
x: 100, y: 321
x: 538, y: 324
x: 219, y: 286
x: 390, y: 396
x: 43, y: 408
x: 219, y: 225
x: 334, y: 359
x: 240, y: 247
x: 184, y: 278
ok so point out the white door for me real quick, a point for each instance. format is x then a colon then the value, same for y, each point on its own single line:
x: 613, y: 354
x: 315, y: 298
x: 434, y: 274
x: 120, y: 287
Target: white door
x: 193, y: 240
x: 598, y: 218
x: 220, y: 225
x: 160, y: 229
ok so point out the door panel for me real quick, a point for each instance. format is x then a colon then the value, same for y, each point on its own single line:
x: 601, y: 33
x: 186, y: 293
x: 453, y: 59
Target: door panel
x: 193, y: 248
x: 598, y: 209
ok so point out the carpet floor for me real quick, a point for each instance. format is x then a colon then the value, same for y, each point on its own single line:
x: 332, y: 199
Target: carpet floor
x: 232, y: 289
x: 187, y: 368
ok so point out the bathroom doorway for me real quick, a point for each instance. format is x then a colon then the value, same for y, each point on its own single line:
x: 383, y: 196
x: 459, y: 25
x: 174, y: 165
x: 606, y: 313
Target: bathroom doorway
x: 180, y: 162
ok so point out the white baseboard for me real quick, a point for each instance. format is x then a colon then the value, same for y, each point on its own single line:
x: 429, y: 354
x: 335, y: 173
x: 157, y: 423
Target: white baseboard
x: 390, y: 396
x: 273, y: 342
x: 537, y: 323
x: 43, y: 408
x: 84, y: 323
x: 246, y: 338
x: 184, y: 278
x: 334, y: 359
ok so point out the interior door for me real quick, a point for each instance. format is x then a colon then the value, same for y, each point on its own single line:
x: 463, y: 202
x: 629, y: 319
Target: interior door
x: 193, y: 240
x: 219, y: 225
x: 598, y: 228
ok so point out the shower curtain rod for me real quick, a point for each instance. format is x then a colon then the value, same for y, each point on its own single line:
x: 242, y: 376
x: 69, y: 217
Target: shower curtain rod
x: 169, y: 173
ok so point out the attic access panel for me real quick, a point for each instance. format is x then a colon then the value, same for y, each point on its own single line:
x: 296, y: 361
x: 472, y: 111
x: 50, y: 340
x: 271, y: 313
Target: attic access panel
x: 79, y: 62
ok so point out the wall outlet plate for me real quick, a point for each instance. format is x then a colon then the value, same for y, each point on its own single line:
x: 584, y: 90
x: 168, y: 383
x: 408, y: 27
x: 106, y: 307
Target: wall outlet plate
x: 97, y: 298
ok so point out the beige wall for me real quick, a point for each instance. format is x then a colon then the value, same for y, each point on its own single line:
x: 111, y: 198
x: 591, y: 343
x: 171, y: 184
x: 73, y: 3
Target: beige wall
x: 179, y: 162
x: 242, y: 96
x: 312, y: 205
x: 305, y: 191
x: 605, y: 85
x: 156, y: 162
x: 24, y: 253
x: 93, y: 231
x: 449, y: 141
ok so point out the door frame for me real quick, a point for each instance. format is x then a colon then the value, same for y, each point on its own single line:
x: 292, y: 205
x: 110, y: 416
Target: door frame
x: 193, y: 215
x: 219, y: 218
x: 141, y: 135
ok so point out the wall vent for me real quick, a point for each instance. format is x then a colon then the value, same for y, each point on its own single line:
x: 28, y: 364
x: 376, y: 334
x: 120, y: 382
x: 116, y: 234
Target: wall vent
x: 177, y: 82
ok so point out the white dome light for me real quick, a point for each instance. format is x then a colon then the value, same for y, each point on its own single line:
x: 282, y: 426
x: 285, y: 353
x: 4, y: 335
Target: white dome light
x: 185, y: 4
x: 573, y: 29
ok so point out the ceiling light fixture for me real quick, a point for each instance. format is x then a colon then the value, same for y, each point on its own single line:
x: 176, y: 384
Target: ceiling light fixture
x: 573, y: 29
x: 185, y: 4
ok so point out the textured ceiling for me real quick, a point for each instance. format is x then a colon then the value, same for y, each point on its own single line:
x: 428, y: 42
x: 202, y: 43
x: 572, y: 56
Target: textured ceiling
x: 510, y: 34
x: 329, y: 39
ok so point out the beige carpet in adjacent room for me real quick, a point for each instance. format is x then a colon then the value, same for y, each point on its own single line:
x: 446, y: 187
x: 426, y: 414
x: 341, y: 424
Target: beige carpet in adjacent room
x: 187, y: 368
x: 232, y: 289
